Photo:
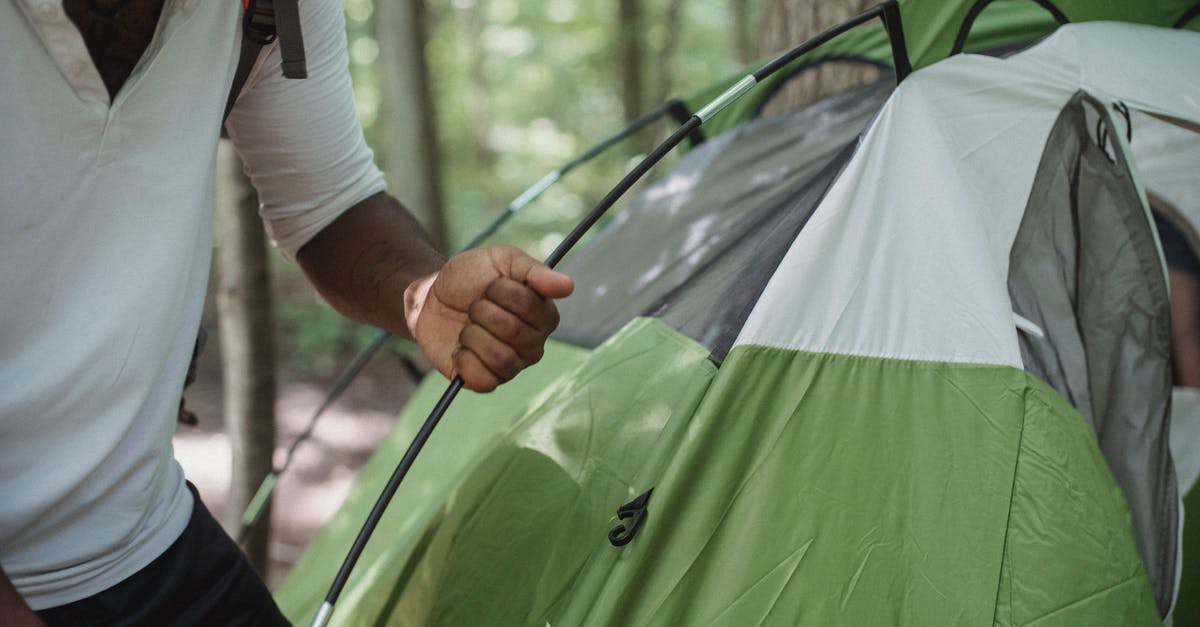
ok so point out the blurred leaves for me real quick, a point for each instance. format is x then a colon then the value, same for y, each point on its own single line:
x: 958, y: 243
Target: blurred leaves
x: 520, y: 87
x: 542, y: 75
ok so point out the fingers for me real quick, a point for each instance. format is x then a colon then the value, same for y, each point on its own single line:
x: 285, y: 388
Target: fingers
x: 485, y: 362
x: 506, y: 332
x: 506, y: 298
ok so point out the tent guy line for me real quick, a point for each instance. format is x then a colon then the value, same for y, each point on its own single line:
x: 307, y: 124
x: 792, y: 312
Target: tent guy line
x: 888, y: 12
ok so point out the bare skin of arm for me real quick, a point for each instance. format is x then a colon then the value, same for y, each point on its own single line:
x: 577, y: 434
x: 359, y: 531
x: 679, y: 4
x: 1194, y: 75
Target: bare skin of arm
x: 483, y: 315
x: 1185, y: 327
x: 14, y: 612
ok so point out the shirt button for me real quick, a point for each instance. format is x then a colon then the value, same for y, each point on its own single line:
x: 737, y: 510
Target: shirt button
x: 77, y: 68
x: 47, y: 11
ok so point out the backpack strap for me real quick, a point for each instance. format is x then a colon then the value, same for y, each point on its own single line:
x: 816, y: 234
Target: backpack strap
x: 264, y: 21
x: 291, y: 38
x: 250, y: 50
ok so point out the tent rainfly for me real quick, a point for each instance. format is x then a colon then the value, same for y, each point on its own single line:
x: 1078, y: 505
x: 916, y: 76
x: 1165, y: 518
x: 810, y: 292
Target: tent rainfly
x: 899, y: 357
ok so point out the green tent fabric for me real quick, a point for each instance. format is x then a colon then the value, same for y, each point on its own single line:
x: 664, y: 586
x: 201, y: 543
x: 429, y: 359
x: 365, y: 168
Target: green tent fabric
x: 523, y: 539
x: 860, y: 536
x: 1018, y: 23
x: 863, y: 445
x: 576, y: 417
x: 930, y: 28
x: 474, y: 422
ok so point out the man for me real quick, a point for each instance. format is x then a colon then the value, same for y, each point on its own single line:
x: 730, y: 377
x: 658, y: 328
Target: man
x: 108, y: 131
x: 1183, y: 277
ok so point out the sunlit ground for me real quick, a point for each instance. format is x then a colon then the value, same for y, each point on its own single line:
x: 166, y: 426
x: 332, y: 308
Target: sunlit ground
x: 324, y: 467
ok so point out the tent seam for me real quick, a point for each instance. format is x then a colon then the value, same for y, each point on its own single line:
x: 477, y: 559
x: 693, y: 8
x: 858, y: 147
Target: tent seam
x: 1008, y: 522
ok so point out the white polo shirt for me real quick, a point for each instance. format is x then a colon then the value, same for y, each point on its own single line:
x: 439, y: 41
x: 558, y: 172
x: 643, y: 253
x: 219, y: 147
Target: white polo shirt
x: 106, y: 213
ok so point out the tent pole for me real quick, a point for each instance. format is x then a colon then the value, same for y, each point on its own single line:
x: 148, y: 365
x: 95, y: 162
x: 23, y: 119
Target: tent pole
x: 257, y: 504
x: 683, y: 132
x: 895, y: 32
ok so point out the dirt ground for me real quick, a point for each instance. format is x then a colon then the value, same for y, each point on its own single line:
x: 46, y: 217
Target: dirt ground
x: 324, y: 467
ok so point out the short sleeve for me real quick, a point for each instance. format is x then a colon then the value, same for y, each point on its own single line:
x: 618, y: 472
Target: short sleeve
x: 300, y: 139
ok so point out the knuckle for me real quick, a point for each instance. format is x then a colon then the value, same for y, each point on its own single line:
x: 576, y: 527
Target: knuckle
x: 514, y: 367
x: 534, y: 355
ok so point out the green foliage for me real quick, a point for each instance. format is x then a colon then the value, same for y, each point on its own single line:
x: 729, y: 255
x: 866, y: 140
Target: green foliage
x: 520, y: 88
x: 542, y: 76
x: 311, y: 338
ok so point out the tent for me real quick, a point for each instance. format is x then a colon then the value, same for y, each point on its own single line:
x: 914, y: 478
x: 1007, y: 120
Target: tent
x: 900, y: 357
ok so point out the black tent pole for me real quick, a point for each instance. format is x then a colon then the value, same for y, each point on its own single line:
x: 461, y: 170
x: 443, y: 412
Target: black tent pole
x: 435, y: 416
x: 256, y: 506
x: 683, y: 132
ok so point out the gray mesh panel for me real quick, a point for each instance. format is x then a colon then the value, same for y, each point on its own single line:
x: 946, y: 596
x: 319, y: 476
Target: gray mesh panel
x: 1084, y: 267
x: 698, y: 246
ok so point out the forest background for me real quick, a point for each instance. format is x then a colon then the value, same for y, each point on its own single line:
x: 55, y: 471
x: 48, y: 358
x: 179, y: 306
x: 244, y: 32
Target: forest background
x: 466, y: 103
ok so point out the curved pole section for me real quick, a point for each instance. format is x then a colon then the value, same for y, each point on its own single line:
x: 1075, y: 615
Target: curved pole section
x: 572, y: 238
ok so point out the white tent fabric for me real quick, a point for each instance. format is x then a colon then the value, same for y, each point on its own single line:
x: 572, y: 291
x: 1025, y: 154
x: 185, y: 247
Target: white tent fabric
x: 951, y: 158
x: 1168, y: 159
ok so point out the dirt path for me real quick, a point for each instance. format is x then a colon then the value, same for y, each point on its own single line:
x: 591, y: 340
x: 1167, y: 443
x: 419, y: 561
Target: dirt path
x: 324, y: 467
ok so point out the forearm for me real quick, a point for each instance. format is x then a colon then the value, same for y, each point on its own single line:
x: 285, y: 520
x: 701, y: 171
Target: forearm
x: 364, y: 262
x: 14, y: 611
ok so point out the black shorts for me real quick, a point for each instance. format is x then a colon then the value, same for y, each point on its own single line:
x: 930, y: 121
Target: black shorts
x: 202, y: 579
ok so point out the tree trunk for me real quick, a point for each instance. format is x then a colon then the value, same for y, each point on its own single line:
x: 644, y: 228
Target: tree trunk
x: 477, y: 103
x: 671, y: 19
x: 247, y: 348
x: 743, y: 44
x: 786, y: 23
x: 407, y: 122
x: 630, y: 57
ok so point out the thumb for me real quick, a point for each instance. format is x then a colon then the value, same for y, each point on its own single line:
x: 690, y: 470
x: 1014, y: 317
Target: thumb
x: 538, y: 276
x: 549, y: 283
